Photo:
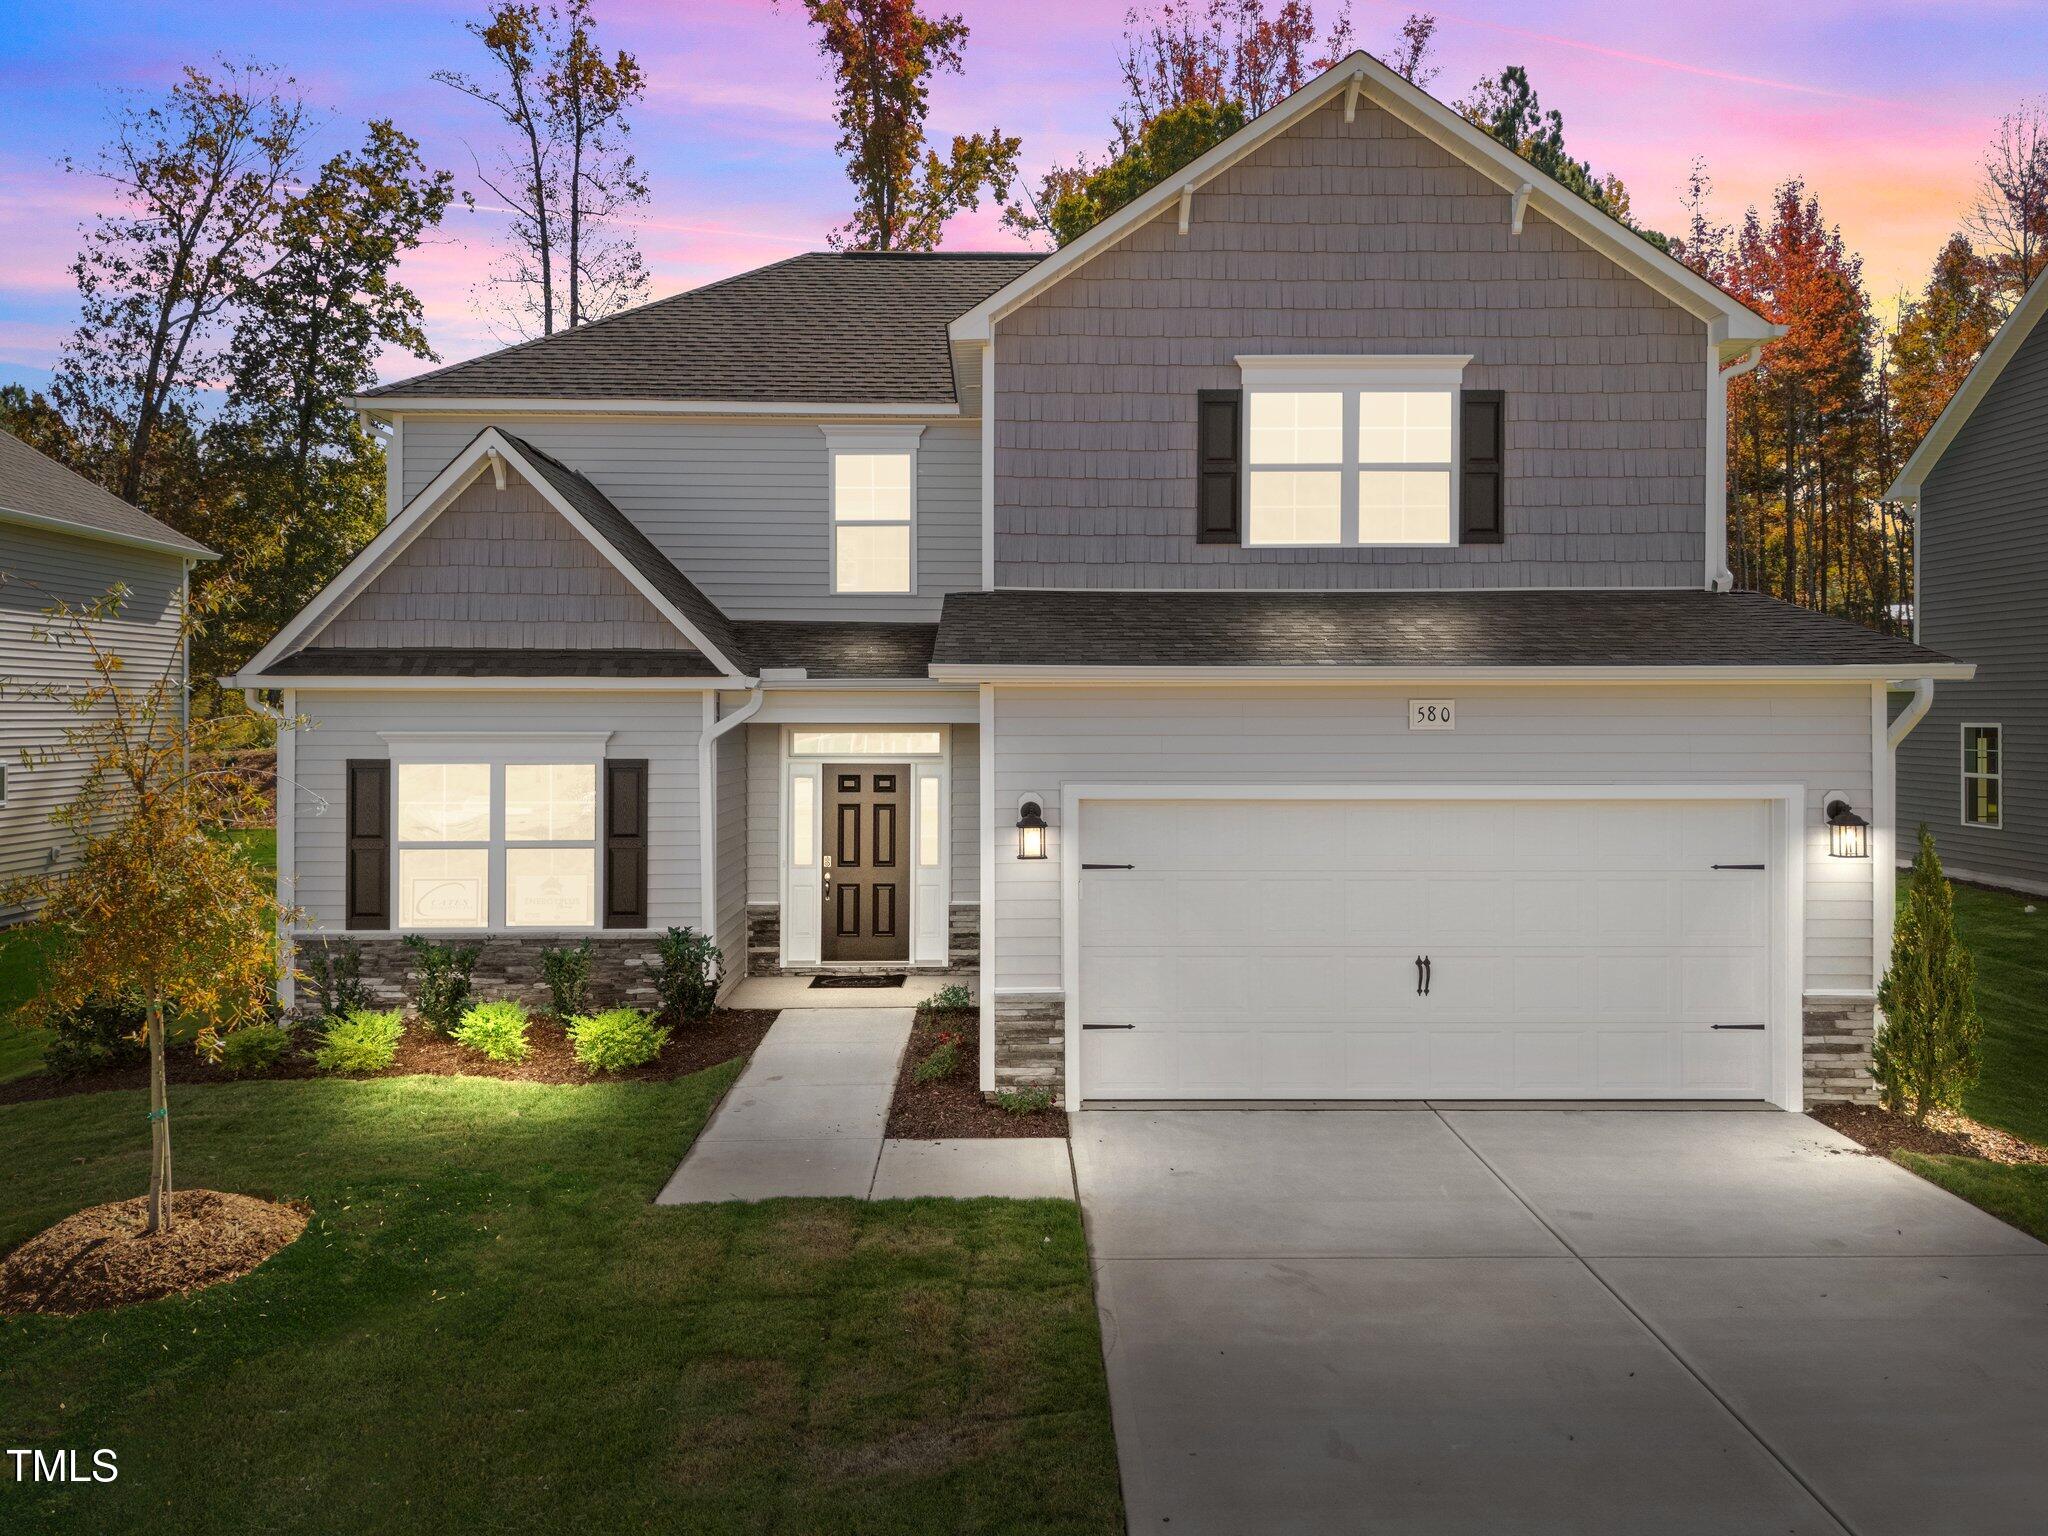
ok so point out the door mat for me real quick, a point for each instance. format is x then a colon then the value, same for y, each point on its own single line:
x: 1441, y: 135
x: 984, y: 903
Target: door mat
x: 885, y: 979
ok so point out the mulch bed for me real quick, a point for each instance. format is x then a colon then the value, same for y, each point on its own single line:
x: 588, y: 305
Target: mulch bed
x: 99, y: 1257
x: 953, y: 1106
x: 727, y: 1033
x: 1944, y: 1135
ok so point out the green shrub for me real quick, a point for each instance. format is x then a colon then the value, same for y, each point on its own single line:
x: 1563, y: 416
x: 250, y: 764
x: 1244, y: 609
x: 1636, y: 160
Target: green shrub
x: 255, y: 1048
x: 951, y: 998
x: 686, y: 979
x: 496, y: 1030
x: 104, y: 1033
x: 942, y: 1061
x: 1024, y: 1101
x: 567, y: 973
x: 616, y: 1039
x: 440, y: 980
x: 363, y: 1041
x: 1926, y: 1053
x: 334, y: 974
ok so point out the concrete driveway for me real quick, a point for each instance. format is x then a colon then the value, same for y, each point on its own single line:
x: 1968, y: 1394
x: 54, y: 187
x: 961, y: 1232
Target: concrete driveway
x: 1556, y: 1321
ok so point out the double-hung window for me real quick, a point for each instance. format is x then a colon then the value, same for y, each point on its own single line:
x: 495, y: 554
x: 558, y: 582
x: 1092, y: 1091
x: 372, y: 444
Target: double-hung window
x: 1351, y: 450
x: 1983, y: 775
x: 873, y: 485
x: 498, y: 837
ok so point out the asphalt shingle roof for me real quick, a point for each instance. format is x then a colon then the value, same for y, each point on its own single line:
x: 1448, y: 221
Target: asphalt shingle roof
x: 836, y: 327
x: 379, y: 661
x: 37, y: 486
x: 841, y: 650
x: 1404, y: 629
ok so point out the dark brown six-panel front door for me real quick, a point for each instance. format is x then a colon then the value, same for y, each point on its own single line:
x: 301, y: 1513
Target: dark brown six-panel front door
x: 867, y: 862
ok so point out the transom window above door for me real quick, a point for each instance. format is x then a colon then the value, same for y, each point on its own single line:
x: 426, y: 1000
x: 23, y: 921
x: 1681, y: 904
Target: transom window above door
x: 873, y: 488
x: 1350, y: 450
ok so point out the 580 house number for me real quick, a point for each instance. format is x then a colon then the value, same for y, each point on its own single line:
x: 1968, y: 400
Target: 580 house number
x: 1432, y: 715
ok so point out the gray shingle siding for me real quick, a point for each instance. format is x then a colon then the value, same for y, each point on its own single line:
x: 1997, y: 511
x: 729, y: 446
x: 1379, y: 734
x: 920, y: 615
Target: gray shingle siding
x: 1350, y: 238
x: 1983, y: 550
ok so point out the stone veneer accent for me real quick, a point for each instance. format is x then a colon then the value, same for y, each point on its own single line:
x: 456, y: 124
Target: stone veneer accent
x: 1839, y: 1032
x: 1031, y: 1043
x: 764, y: 942
x: 509, y: 966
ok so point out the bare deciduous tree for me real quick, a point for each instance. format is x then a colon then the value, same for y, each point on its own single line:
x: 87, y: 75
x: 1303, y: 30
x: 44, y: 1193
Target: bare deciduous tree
x: 2008, y: 221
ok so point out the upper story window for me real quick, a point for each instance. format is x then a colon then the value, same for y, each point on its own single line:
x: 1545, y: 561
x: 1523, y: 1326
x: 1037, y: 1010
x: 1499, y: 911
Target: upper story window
x: 1351, y: 450
x: 873, y: 478
x: 1983, y: 776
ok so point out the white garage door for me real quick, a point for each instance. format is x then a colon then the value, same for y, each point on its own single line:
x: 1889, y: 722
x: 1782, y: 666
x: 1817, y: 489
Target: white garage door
x: 1406, y: 949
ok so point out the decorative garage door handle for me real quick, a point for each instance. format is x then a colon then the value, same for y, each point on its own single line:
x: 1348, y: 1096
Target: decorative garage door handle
x: 1109, y: 866
x: 1738, y: 866
x: 1424, y: 967
x: 1428, y: 974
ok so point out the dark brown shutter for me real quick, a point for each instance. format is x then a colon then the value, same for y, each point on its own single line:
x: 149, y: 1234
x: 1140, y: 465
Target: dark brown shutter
x: 1217, y: 495
x: 369, y: 843
x: 625, y: 843
x: 1482, y: 438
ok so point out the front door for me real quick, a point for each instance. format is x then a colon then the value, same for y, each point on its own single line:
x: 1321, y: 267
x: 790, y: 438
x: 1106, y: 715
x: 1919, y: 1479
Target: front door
x: 867, y: 864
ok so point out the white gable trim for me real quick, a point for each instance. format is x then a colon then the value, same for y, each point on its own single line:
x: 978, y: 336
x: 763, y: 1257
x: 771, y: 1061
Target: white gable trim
x: 1362, y: 73
x: 490, y: 449
x: 2004, y: 347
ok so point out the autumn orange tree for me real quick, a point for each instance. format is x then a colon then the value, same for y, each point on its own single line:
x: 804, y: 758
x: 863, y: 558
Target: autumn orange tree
x: 153, y: 905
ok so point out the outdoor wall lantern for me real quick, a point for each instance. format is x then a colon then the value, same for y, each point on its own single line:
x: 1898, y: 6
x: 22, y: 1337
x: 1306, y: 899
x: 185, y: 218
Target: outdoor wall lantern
x: 1848, y: 833
x: 1030, y: 830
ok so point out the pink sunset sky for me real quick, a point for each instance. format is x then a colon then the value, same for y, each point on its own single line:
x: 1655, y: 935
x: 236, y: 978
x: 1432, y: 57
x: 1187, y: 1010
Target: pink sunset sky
x: 1884, y: 109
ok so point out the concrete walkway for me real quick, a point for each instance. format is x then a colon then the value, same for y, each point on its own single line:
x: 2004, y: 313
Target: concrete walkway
x: 1570, y: 1322
x: 808, y: 1115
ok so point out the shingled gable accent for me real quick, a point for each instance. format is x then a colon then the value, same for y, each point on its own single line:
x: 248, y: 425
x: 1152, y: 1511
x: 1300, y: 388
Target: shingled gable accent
x: 1734, y: 326
x: 674, y: 595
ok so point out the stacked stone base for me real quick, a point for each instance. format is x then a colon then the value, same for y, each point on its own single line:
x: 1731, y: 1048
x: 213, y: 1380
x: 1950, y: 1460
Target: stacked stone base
x: 1031, y: 1043
x: 764, y: 946
x: 1836, y: 1050
x: 621, y: 967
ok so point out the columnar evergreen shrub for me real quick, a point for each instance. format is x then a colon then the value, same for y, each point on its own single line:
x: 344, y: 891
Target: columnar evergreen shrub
x: 567, y: 973
x: 334, y: 975
x: 686, y: 979
x: 1925, y: 1054
x: 440, y: 980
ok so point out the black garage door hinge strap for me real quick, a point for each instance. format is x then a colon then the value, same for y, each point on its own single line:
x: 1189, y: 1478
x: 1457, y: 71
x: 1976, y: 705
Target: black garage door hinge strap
x: 1109, y: 1026
x: 1738, y: 1026
x: 1109, y: 866
x: 1739, y: 866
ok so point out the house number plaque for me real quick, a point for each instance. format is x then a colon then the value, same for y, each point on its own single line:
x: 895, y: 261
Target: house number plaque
x: 1432, y: 715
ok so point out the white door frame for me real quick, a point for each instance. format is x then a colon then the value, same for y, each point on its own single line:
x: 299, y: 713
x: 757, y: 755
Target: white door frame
x: 802, y: 888
x: 1788, y: 945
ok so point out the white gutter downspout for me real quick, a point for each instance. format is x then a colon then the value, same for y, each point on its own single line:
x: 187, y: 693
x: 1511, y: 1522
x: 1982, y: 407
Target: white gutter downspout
x: 1719, y: 577
x: 707, y: 806
x: 1915, y: 710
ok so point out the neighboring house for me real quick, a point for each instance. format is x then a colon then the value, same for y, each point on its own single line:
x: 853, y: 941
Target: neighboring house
x: 1311, y: 577
x: 63, y: 539
x: 1976, y: 770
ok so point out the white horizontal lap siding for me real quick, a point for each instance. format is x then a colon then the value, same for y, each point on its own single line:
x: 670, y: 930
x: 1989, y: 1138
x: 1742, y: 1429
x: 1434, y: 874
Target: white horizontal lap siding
x: 965, y: 841
x: 742, y: 506
x: 764, y: 812
x: 662, y: 728
x: 44, y: 568
x: 733, y: 781
x: 1819, y: 736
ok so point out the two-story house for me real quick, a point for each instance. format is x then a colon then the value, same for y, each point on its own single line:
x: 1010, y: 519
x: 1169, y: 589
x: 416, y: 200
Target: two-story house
x: 1311, y: 577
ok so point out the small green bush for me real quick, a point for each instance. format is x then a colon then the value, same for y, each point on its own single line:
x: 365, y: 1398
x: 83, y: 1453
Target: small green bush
x: 102, y: 1034
x: 497, y: 1030
x: 440, y: 980
x: 334, y: 975
x: 255, y: 1048
x: 616, y: 1039
x: 952, y: 998
x: 567, y: 973
x: 1024, y: 1101
x: 686, y: 978
x: 941, y: 1062
x: 363, y: 1041
x: 1925, y: 1054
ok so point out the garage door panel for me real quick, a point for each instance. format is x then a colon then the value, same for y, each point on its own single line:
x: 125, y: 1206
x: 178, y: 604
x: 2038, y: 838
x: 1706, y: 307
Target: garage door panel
x: 1266, y: 949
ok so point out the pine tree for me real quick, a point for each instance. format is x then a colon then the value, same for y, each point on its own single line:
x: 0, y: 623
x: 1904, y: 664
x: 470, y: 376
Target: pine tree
x: 1926, y: 1053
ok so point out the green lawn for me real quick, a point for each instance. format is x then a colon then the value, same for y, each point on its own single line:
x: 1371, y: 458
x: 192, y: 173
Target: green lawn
x: 488, y: 1327
x: 2011, y: 1093
x: 21, y: 1049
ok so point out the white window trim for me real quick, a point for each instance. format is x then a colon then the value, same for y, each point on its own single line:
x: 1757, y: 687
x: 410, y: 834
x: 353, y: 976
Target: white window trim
x: 1997, y: 778
x: 867, y: 439
x: 1349, y: 377
x: 497, y: 751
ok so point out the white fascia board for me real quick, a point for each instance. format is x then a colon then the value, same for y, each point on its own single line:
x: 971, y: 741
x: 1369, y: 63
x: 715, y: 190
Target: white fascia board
x: 422, y: 509
x: 1434, y: 121
x: 386, y: 406
x: 1441, y: 370
x: 553, y: 684
x: 2012, y: 335
x: 1312, y: 676
x: 104, y: 535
